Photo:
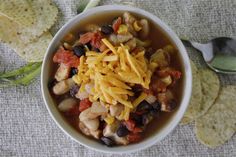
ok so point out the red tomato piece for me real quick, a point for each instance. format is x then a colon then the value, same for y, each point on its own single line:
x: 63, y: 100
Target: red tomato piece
x: 133, y: 137
x: 163, y: 73
x: 130, y: 124
x: 176, y: 74
x: 96, y: 40
x: 93, y: 37
x: 85, y: 38
x: 158, y: 86
x: 67, y: 57
x: 84, y: 104
x: 117, y: 24
x: 137, y: 130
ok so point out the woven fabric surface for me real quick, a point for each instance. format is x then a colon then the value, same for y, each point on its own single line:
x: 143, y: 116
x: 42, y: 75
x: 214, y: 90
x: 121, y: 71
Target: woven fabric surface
x: 28, y: 130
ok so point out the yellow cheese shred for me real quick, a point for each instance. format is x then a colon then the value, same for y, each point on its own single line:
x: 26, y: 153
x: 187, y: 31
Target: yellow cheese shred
x: 113, y: 72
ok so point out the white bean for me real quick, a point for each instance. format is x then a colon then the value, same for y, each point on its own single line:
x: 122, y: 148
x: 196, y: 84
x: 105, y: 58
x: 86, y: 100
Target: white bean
x: 67, y: 104
x: 87, y: 114
x: 92, y: 124
x: 63, y: 86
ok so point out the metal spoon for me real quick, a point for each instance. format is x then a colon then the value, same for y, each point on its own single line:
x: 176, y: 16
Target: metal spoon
x: 219, y: 53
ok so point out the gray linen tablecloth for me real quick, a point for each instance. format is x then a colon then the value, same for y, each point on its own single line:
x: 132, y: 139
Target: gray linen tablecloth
x: 28, y: 130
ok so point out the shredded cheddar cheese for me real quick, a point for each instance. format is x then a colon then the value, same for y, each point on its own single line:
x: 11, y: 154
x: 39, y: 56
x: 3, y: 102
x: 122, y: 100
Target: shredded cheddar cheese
x: 113, y: 73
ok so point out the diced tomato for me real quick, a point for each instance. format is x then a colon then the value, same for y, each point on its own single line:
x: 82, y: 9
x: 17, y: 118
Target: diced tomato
x: 116, y: 24
x: 158, y: 86
x: 73, y: 111
x: 93, y: 37
x: 130, y: 124
x: 174, y: 73
x: 133, y: 137
x: 85, y: 38
x: 84, y: 104
x: 67, y: 57
x: 96, y: 40
x: 163, y: 73
x: 137, y: 130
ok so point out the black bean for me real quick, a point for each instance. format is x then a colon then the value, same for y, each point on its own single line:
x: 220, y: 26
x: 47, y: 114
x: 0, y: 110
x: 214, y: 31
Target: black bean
x: 106, y: 30
x: 122, y: 131
x: 137, y: 118
x: 79, y: 51
x: 107, y: 141
x: 157, y: 106
x: 144, y: 106
x: 137, y: 88
x: 146, y: 119
x: 73, y: 71
x: 74, y: 90
x: 154, y: 113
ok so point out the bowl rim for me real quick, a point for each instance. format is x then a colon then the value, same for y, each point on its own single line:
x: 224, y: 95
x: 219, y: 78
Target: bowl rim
x: 168, y: 128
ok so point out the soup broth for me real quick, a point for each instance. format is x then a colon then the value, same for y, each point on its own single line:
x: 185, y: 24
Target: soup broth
x: 158, y: 40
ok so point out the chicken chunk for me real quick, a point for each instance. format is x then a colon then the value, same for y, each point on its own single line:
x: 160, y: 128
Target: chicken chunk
x: 62, y: 72
x: 98, y: 109
x: 150, y: 99
x: 168, y: 104
x: 120, y: 38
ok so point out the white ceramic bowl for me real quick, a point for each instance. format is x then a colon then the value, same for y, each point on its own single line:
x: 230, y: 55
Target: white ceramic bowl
x: 78, y: 137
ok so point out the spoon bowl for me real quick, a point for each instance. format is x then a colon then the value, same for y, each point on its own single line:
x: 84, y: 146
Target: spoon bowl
x: 219, y: 53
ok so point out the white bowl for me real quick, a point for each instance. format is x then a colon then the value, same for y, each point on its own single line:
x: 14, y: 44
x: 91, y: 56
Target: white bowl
x: 78, y: 137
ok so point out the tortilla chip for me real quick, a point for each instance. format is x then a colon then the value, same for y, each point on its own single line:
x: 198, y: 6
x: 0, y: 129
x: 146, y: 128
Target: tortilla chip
x: 186, y: 120
x: 219, y: 123
x: 34, y: 51
x: 19, y: 11
x: 196, y: 97
x: 210, y: 89
x: 8, y: 33
x: 45, y: 16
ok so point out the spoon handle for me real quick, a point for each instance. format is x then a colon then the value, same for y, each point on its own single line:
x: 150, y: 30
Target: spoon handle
x: 205, y: 49
x: 207, y: 53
